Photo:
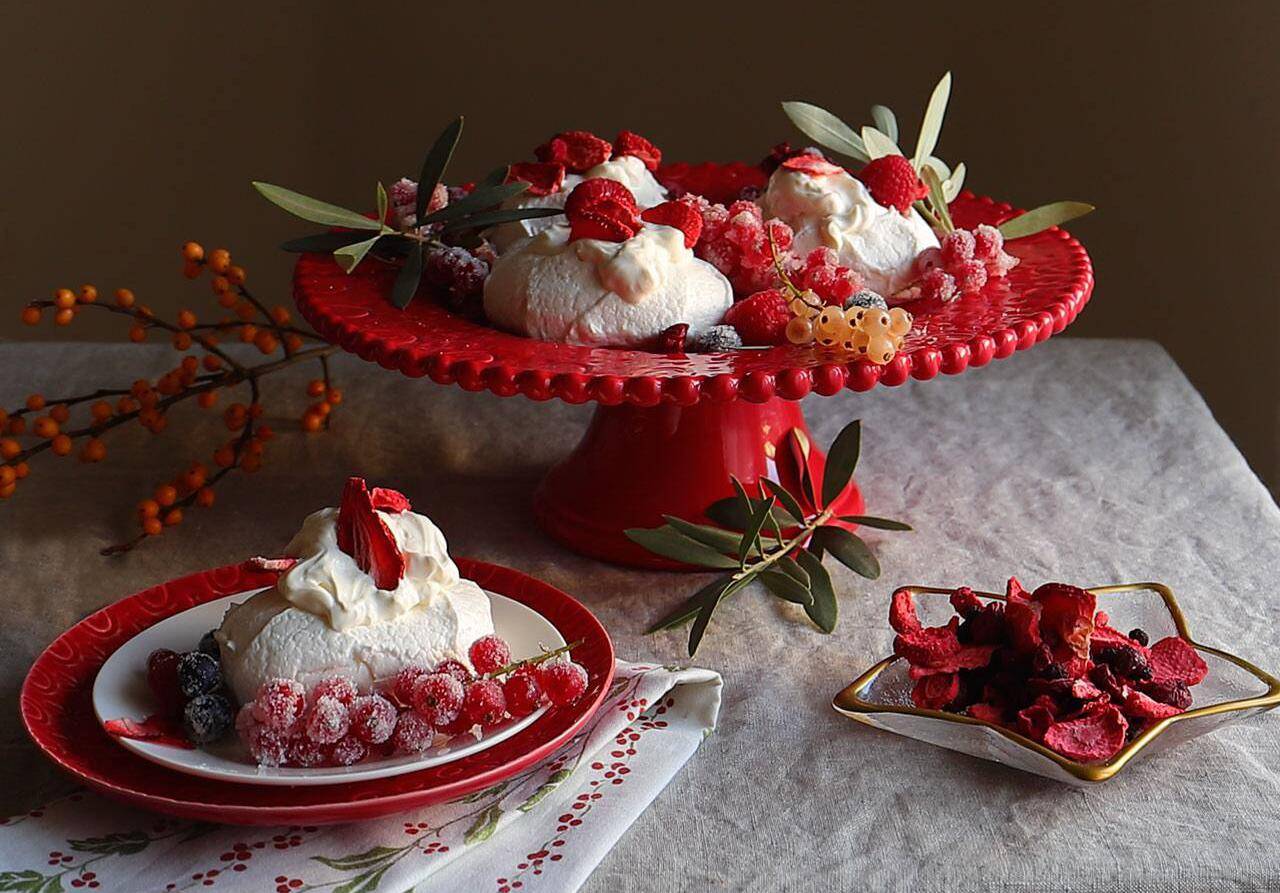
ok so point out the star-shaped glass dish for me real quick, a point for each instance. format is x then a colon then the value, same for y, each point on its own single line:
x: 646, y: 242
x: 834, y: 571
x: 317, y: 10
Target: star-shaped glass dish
x: 1232, y: 690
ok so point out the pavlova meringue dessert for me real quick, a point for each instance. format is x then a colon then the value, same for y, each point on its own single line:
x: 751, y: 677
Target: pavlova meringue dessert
x: 826, y: 206
x: 565, y: 161
x: 614, y: 275
x: 369, y: 589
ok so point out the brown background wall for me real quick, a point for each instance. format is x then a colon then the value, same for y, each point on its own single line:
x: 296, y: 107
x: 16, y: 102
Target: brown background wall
x: 128, y: 130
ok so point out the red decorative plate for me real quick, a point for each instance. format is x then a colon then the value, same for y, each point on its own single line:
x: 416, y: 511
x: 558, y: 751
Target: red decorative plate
x: 58, y: 713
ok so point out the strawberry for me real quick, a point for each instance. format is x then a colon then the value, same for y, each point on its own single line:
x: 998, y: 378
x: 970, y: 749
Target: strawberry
x: 760, y: 319
x: 588, y: 193
x: 601, y: 209
x: 628, y: 143
x: 682, y: 215
x: 364, y: 535
x: 577, y: 150
x: 594, y: 225
x: 543, y: 177
x: 893, y: 182
x: 814, y: 165
x: 385, y: 500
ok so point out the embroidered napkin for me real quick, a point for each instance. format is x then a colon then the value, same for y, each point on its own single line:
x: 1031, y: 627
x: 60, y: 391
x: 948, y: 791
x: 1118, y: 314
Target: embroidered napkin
x: 545, y: 829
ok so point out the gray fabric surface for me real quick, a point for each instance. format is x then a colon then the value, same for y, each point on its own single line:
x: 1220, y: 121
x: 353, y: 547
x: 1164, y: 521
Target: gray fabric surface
x: 1084, y: 461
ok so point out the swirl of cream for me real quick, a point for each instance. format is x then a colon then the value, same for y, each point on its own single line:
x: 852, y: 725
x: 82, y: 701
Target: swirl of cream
x: 327, y: 582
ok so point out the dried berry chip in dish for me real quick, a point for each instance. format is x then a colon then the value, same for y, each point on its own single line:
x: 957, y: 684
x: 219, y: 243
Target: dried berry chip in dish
x: 369, y: 648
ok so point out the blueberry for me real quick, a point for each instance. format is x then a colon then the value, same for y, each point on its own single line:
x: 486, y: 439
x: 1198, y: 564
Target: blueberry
x: 716, y: 339
x: 1140, y: 636
x: 209, y: 645
x: 207, y: 718
x: 198, y: 673
x: 866, y: 298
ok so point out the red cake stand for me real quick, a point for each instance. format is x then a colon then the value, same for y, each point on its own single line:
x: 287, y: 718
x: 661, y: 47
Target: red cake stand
x: 669, y: 430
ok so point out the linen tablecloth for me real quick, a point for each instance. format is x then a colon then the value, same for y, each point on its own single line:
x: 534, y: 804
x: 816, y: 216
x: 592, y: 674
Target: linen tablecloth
x: 1084, y: 461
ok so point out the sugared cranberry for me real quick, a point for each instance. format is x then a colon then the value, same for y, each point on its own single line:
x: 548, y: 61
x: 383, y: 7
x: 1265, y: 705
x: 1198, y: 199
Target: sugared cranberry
x: 563, y: 681
x: 280, y: 704
x: 484, y: 702
x: 455, y: 668
x: 402, y: 683
x: 340, y: 688
x: 523, y: 692
x: 349, y: 751
x: 413, y: 734
x: 438, y: 697
x: 373, y: 719
x: 328, y: 720
x: 489, y: 653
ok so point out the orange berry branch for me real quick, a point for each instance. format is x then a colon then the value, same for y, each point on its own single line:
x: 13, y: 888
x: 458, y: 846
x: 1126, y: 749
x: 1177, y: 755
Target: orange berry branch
x: 206, y: 371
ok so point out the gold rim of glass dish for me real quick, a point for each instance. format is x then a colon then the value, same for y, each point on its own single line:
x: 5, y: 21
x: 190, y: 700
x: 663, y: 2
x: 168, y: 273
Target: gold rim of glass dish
x: 849, y: 704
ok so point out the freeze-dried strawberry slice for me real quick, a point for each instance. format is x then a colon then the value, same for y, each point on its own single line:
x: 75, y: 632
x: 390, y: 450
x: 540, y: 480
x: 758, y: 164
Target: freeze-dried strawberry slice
x: 680, y: 214
x: 365, y: 536
x: 592, y: 225
x: 589, y: 194
x: 1173, y: 660
x: 1014, y: 592
x: 543, y: 177
x: 1023, y: 619
x: 928, y: 646
x: 387, y: 500
x: 629, y: 143
x: 985, y: 712
x: 1035, y: 720
x: 1095, y: 736
x: 1066, y: 616
x: 577, y: 150
x: 965, y: 602
x: 813, y: 165
x: 902, y: 613
x: 1140, y: 706
x: 936, y: 692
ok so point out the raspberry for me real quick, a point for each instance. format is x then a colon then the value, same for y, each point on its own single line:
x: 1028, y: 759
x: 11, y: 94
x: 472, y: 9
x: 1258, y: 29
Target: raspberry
x: 717, y: 339
x: 563, y: 681
x: 957, y: 247
x: 267, y: 746
x: 813, y: 165
x: 162, y: 677
x: 971, y: 276
x: 523, y: 692
x: 207, y: 718
x: 893, y: 182
x: 629, y: 143
x: 305, y: 753
x: 543, y: 177
x: 672, y: 339
x: 489, y: 653
x: 939, y: 284
x: 760, y: 319
x: 438, y: 698
x: 484, y: 703
x: 328, y: 720
x: 455, y: 668
x: 987, y: 242
x: 401, y: 687
x: 197, y: 674
x: 340, y: 688
x: 280, y: 704
x: 413, y: 734
x: 349, y: 751
x: 577, y: 150
x: 455, y: 273
x: 373, y: 719
x: 679, y: 214
x: 589, y: 194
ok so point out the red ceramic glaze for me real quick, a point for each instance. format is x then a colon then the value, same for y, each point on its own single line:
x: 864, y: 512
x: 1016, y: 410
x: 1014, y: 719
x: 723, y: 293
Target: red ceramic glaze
x: 1038, y: 299
x: 56, y: 706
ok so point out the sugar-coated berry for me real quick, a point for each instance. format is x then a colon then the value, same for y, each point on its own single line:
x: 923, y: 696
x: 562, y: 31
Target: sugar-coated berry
x: 267, y: 746
x: 957, y: 247
x: 207, y: 718
x: 717, y: 339
x: 209, y: 645
x: 971, y: 276
x: 373, y: 719
x: 340, y: 688
x: 413, y: 734
x: 563, y: 681
x: 198, y: 673
x: 306, y: 754
x: 523, y: 692
x: 455, y: 273
x: 455, y: 668
x: 162, y: 677
x: 484, y: 703
x: 349, y: 751
x: 988, y: 242
x: 939, y: 285
x: 736, y: 241
x: 489, y: 653
x: 823, y: 276
x: 867, y: 299
x: 280, y: 704
x: 401, y: 688
x: 438, y: 697
x: 328, y: 720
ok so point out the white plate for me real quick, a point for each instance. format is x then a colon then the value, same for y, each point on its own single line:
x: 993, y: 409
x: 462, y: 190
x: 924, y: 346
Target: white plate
x: 121, y: 691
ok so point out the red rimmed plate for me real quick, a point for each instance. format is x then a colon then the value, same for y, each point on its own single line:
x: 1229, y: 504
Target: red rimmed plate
x: 57, y: 709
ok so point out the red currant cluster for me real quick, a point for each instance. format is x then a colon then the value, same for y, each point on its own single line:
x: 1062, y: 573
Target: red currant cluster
x: 967, y: 260
x: 334, y: 725
x: 822, y: 274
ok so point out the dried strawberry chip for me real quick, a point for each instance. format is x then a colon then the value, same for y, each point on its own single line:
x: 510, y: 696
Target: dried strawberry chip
x: 1106, y: 636
x: 680, y: 215
x: 902, y: 613
x: 1023, y: 620
x: 1140, y: 706
x: 936, y: 692
x: 364, y: 535
x: 1066, y: 616
x: 590, y: 225
x: 543, y: 177
x: 1094, y: 736
x: 387, y: 500
x: 590, y: 193
x: 629, y: 143
x: 1174, y: 660
x: 1014, y: 592
x: 814, y: 165
x: 577, y: 150
x: 965, y: 602
x: 929, y: 646
x: 1035, y: 720
x: 985, y: 712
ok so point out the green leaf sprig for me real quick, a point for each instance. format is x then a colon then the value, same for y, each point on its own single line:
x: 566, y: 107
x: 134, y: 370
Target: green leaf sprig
x: 772, y: 539
x: 459, y: 222
x: 944, y: 183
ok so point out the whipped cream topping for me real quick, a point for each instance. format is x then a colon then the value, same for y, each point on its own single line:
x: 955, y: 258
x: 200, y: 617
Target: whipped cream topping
x: 837, y: 211
x: 327, y: 582
x: 627, y: 170
x: 596, y: 292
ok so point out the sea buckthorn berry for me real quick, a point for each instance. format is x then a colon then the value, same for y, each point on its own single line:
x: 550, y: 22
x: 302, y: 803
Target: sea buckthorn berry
x: 220, y: 284
x: 152, y: 526
x: 45, y: 427
x: 193, y: 251
x: 64, y: 317
x: 22, y: 469
x: 251, y: 464
x: 315, y: 387
x: 190, y: 270
x: 61, y: 445
x: 100, y: 411
x: 281, y: 314
x: 31, y: 315
x: 237, y: 275
x: 148, y: 508
x: 88, y: 294
x: 489, y: 653
x: 166, y: 494
x: 205, y: 497
x: 323, y: 409
x: 266, y: 342
x: 94, y: 450
x: 8, y: 490
x: 126, y: 405
x: 248, y: 333
x: 137, y: 334
x: 235, y: 416
x: 181, y: 341
x: 265, y: 433
x: 144, y: 312
x: 228, y: 299
x: 256, y: 410
x: 333, y: 396
x: 17, y: 426
x: 219, y: 260
x: 64, y: 298
x: 206, y: 399
x: 312, y: 421
x: 173, y: 517
x: 224, y: 457
x: 186, y: 319
x: 60, y: 413
x: 293, y: 343
x: 211, y: 363
x: 124, y: 298
x: 7, y: 475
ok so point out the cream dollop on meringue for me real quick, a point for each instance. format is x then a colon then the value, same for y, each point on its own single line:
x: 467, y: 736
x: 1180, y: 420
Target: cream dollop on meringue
x: 626, y: 169
x: 837, y: 211
x: 595, y: 292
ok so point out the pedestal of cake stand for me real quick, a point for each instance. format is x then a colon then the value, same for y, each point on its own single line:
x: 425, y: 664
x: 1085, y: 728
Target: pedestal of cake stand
x: 636, y: 464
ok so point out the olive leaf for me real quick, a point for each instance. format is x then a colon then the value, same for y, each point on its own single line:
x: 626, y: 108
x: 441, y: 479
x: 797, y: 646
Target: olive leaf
x: 711, y: 601
x: 689, y: 608
x: 752, y: 532
x: 434, y: 163
x: 721, y: 540
x: 824, y: 610
x: 786, y: 587
x: 885, y: 120
x: 952, y: 185
x: 937, y: 200
x: 878, y: 145
x: 842, y: 459
x: 931, y: 127
x: 670, y: 543
x: 825, y: 129
x: 1042, y: 218
x: 313, y: 209
x: 349, y: 256
x: 406, y: 285
x: 478, y: 200
x: 501, y: 215
x: 380, y: 198
x: 849, y: 550
x: 789, y: 566
x: 873, y: 521
x: 790, y: 504
x: 321, y: 242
